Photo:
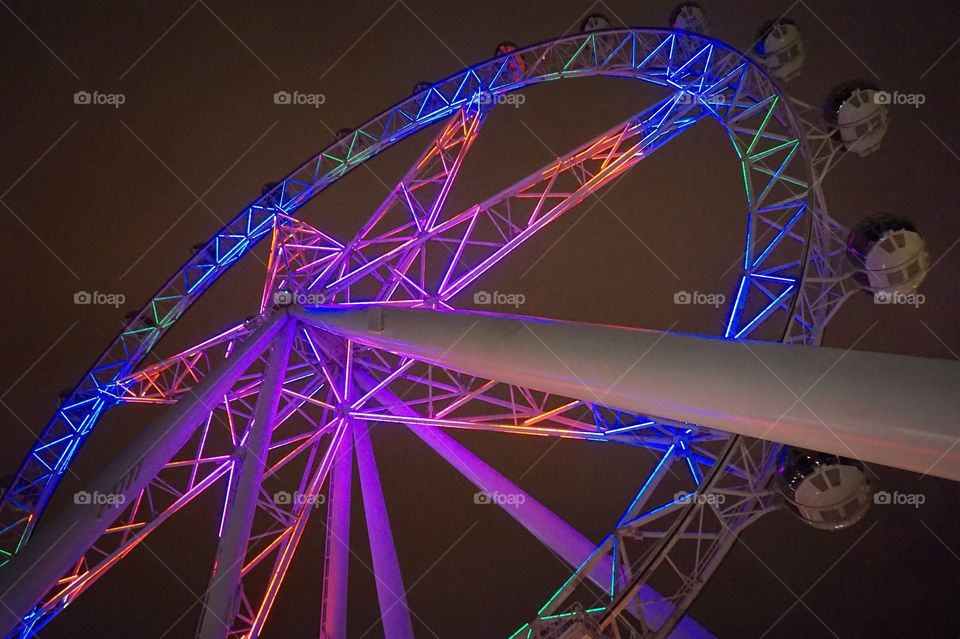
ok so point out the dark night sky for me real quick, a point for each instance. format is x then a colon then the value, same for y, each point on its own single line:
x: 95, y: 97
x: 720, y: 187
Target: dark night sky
x: 98, y: 198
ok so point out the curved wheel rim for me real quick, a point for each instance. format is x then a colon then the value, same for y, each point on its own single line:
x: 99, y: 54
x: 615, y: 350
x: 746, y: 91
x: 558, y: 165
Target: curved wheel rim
x: 610, y: 53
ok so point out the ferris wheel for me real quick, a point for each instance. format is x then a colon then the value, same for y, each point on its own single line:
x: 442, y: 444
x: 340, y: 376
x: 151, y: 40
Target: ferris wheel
x: 363, y: 332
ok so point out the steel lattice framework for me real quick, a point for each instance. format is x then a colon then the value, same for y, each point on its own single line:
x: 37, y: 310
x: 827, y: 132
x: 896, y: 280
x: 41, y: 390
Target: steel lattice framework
x: 272, y: 397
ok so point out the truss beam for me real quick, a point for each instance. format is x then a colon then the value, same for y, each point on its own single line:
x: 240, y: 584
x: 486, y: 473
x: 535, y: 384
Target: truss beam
x: 61, y: 544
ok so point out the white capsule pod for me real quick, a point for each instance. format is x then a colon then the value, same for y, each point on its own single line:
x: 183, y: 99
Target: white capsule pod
x: 595, y: 22
x: 859, y: 113
x: 825, y: 491
x: 690, y: 16
x: 889, y: 255
x: 603, y: 47
x: 781, y: 49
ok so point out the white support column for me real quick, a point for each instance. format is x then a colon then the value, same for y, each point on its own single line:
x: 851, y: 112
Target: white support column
x: 391, y: 594
x: 889, y: 409
x: 333, y: 615
x: 62, y: 542
x: 224, y: 592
